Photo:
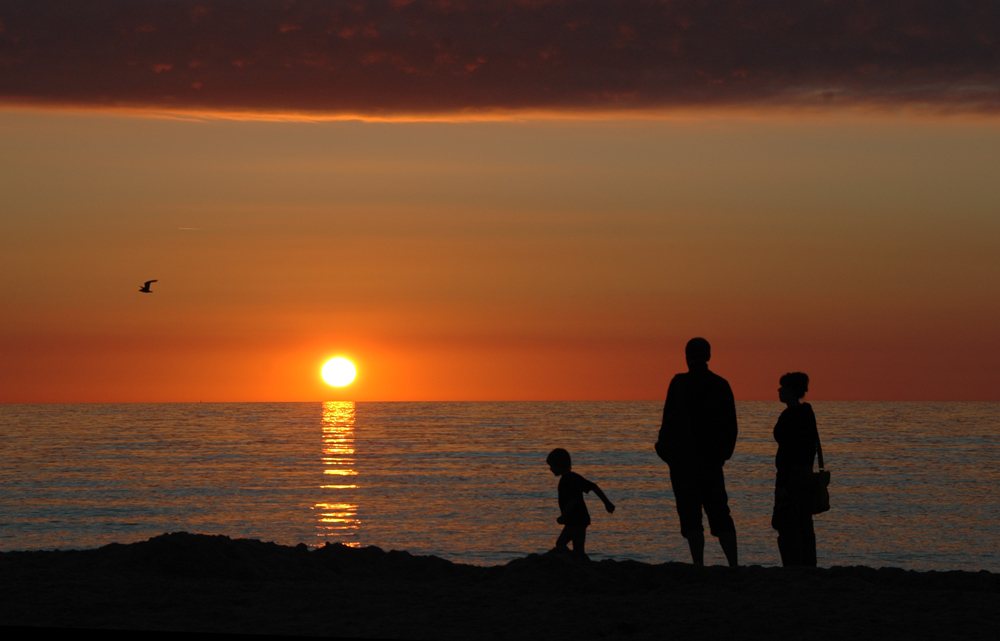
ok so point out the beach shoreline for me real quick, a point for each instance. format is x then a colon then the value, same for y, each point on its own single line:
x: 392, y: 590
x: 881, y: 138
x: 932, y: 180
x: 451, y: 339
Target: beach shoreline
x: 184, y: 582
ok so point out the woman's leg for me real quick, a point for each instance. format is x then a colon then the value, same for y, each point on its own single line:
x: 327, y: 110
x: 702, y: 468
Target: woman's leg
x: 782, y: 521
x: 808, y: 542
x: 797, y: 542
x: 796, y: 539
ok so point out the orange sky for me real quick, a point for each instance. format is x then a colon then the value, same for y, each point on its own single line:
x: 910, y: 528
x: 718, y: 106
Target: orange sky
x: 503, y: 200
x: 550, y: 258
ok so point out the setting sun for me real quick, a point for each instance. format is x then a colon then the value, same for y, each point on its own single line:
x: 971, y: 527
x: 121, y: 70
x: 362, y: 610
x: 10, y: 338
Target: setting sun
x: 339, y: 372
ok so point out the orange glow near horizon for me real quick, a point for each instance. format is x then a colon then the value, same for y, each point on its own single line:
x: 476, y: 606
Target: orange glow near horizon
x: 555, y: 259
x: 856, y: 114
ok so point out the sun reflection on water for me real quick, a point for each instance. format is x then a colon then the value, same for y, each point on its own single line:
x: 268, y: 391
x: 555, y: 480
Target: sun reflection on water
x: 338, y: 521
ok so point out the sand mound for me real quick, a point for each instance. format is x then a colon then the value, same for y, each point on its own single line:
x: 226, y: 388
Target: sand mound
x: 194, y: 582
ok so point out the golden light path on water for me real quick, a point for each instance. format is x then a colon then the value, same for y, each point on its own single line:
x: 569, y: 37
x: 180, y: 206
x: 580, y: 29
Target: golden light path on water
x: 338, y: 520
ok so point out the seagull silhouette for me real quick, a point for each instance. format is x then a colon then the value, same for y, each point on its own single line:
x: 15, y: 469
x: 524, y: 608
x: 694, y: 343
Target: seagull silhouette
x: 145, y: 288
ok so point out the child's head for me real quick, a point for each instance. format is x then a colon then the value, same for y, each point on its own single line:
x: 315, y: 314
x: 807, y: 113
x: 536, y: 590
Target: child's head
x: 559, y: 461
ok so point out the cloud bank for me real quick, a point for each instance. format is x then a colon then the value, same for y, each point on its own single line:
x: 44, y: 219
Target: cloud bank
x: 412, y: 58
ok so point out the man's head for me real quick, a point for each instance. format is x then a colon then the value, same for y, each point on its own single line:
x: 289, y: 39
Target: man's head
x: 698, y: 353
x: 559, y: 461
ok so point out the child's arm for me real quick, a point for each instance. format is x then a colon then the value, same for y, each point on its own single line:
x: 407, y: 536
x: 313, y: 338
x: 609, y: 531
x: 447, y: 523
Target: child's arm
x: 608, y: 505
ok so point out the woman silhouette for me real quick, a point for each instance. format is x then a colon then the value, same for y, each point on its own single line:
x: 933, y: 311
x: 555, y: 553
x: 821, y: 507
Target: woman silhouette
x: 797, y: 440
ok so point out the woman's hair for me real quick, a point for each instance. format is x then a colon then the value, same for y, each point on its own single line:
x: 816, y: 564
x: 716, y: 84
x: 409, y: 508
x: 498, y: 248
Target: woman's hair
x: 797, y: 382
x: 558, y: 458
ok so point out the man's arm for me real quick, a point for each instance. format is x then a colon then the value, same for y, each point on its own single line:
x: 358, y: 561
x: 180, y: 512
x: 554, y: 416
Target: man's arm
x: 728, y: 428
x: 673, y: 398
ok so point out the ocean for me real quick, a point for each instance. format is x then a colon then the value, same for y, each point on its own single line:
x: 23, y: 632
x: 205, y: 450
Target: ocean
x: 912, y: 483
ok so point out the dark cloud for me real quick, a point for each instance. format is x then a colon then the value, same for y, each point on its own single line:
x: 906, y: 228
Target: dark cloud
x: 445, y: 56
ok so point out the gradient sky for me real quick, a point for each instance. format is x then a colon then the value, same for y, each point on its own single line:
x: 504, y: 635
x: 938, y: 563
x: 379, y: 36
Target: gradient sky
x: 503, y: 200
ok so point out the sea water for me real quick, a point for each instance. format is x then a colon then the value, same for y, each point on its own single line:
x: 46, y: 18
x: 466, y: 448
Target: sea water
x: 914, y: 485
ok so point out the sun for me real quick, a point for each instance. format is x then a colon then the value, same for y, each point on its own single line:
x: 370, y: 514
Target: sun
x: 339, y: 372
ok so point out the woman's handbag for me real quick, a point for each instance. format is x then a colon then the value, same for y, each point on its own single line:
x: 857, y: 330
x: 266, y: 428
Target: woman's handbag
x: 821, y: 481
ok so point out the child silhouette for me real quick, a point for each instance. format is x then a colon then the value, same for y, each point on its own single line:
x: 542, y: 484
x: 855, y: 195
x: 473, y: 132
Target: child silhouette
x: 574, y: 516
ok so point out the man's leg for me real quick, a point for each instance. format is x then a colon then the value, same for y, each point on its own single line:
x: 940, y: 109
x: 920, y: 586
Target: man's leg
x: 785, y: 541
x: 686, y: 497
x: 696, y: 541
x: 716, y: 502
x: 728, y: 542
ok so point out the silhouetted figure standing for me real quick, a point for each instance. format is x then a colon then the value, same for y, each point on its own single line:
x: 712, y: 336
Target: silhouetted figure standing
x: 794, y: 487
x: 697, y: 437
x: 574, y: 516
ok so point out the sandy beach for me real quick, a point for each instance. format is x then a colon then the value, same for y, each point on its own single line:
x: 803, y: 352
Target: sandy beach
x: 213, y: 584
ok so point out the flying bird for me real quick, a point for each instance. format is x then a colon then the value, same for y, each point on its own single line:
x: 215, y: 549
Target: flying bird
x: 145, y: 288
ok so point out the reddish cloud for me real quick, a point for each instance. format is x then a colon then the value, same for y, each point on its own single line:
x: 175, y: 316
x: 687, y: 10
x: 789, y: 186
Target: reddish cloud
x: 396, y: 57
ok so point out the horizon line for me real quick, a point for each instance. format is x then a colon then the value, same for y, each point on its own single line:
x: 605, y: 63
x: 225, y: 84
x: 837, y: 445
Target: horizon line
x: 656, y: 400
x: 852, y: 113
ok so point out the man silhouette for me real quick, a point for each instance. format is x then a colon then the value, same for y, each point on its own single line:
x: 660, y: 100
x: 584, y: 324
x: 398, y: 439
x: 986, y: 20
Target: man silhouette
x: 697, y: 437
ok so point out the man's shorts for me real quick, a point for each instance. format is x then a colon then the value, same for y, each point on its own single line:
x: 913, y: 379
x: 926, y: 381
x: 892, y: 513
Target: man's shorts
x: 698, y: 487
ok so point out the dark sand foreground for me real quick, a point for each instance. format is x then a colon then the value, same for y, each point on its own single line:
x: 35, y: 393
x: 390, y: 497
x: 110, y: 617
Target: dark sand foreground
x: 187, y: 582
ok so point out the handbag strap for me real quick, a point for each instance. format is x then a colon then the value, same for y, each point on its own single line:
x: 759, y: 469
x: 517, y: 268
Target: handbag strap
x: 819, y: 451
